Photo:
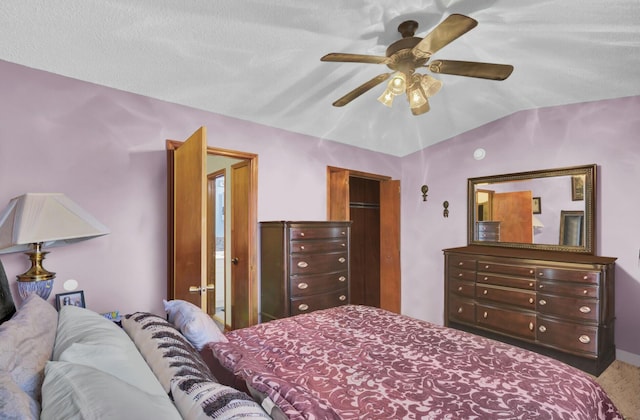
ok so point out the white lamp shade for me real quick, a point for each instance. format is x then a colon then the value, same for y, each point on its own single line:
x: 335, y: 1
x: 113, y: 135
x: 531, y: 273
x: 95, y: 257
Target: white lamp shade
x: 50, y: 218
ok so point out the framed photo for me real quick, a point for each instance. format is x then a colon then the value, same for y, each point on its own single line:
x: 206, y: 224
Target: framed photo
x: 577, y: 188
x: 72, y: 298
x: 537, y: 205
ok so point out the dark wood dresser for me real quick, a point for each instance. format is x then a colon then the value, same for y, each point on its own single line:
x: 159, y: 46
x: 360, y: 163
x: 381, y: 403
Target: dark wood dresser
x: 304, y: 266
x: 556, y: 303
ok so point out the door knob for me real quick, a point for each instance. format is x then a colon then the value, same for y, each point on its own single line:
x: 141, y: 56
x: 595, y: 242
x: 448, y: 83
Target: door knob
x: 234, y: 261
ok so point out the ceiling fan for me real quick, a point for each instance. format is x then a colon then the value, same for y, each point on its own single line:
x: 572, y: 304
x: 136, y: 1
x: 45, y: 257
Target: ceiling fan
x: 410, y: 53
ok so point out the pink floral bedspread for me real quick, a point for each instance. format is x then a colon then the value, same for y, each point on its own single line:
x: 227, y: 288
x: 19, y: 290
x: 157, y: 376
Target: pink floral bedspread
x: 357, y: 362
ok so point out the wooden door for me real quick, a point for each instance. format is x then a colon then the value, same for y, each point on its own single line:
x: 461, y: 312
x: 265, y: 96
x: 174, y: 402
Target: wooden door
x: 390, y: 284
x: 338, y: 209
x: 243, y: 292
x: 190, y: 221
x: 515, y: 213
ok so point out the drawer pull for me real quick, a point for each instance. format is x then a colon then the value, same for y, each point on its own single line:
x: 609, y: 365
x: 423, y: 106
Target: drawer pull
x: 531, y: 285
x: 530, y: 271
x: 303, y: 264
x: 542, y: 302
x: 486, y: 266
x: 301, y: 246
x: 541, y: 286
x: 460, y: 309
x: 460, y: 263
x: 485, y: 315
x: 459, y: 288
x: 342, y: 260
x: 585, y: 309
x: 584, y: 339
x: 303, y: 307
x: 301, y: 233
x: 531, y: 326
x: 585, y: 292
x: 531, y: 300
x: 343, y: 245
x: 459, y: 274
x: 343, y: 233
x: 541, y: 274
x: 585, y: 278
x: 302, y: 286
x: 542, y: 328
x: 485, y: 292
x: 485, y: 278
x: 342, y: 297
x: 342, y: 278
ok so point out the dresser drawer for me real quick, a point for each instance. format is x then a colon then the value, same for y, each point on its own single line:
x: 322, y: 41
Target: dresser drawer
x: 462, y: 288
x: 513, y: 270
x: 462, y: 310
x: 456, y: 273
x: 568, y: 289
x: 582, y: 309
x: 581, y: 276
x: 329, y: 245
x: 568, y: 336
x: 322, y: 301
x: 527, y: 284
x: 462, y: 262
x: 318, y: 263
x: 521, y: 324
x: 521, y: 298
x: 301, y: 232
x: 318, y: 283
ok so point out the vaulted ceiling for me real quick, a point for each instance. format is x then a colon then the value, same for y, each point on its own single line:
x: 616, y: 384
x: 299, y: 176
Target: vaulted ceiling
x: 259, y: 60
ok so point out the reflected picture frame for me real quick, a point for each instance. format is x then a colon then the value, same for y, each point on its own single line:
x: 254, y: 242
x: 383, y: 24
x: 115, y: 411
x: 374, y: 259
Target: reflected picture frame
x: 571, y: 227
x: 75, y: 298
x: 577, y: 188
x: 536, y: 205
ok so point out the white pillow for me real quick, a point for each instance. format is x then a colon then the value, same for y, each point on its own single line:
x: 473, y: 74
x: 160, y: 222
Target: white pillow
x: 26, y: 341
x: 204, y: 400
x: 194, y: 324
x: 72, y: 391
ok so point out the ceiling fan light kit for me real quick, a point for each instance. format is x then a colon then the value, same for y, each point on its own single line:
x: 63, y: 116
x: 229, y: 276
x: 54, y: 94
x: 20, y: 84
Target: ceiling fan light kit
x: 410, y: 53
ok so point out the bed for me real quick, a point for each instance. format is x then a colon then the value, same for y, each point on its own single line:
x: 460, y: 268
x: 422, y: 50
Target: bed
x: 359, y: 362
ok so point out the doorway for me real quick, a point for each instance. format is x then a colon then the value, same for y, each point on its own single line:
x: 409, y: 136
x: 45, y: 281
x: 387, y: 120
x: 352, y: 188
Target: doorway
x: 193, y: 269
x: 372, y: 203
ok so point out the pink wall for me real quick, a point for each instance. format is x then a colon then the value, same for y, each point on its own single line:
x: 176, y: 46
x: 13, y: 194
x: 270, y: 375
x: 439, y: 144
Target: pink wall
x: 604, y: 133
x: 106, y: 149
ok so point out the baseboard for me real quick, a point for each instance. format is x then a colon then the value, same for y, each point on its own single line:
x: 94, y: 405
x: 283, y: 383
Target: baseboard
x: 625, y: 356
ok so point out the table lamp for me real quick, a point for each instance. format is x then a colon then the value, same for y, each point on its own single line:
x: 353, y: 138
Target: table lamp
x: 34, y: 221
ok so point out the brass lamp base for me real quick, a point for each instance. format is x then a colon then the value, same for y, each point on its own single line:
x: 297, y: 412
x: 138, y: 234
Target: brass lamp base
x: 36, y: 279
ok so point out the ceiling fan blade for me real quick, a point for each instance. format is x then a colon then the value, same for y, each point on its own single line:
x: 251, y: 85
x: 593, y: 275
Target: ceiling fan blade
x: 355, y: 58
x: 472, y: 69
x: 451, y: 28
x: 361, y: 89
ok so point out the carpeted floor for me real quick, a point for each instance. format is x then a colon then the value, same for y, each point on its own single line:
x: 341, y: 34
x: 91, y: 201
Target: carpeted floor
x: 622, y: 383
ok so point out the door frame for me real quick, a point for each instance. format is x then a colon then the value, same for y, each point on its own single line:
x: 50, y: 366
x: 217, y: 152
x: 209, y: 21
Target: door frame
x: 252, y: 240
x: 338, y: 209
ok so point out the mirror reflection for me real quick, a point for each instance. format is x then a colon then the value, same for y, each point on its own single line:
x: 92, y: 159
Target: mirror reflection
x: 548, y: 209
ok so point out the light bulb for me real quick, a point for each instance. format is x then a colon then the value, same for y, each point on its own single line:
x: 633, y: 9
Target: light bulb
x: 398, y: 83
x: 387, y: 97
x: 430, y: 85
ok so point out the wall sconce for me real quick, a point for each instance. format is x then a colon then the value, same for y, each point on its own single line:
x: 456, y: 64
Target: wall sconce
x: 424, y: 190
x: 445, y: 212
x: 32, y: 222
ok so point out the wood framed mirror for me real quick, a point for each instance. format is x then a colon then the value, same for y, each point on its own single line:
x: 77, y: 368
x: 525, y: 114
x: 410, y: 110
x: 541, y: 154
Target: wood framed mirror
x: 501, y: 210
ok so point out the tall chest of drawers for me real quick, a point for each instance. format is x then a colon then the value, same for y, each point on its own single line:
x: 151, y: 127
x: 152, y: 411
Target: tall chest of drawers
x: 558, y: 304
x: 304, y: 266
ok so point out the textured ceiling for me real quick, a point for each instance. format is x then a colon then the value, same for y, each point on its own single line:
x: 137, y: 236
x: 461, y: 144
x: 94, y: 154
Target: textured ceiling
x: 260, y: 60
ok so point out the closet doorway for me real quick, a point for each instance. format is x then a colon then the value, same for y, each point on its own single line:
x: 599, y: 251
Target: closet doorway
x: 372, y: 203
x: 197, y: 255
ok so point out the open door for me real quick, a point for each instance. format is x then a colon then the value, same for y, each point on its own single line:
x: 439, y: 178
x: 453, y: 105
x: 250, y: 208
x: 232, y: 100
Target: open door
x: 188, y: 242
x: 190, y: 221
